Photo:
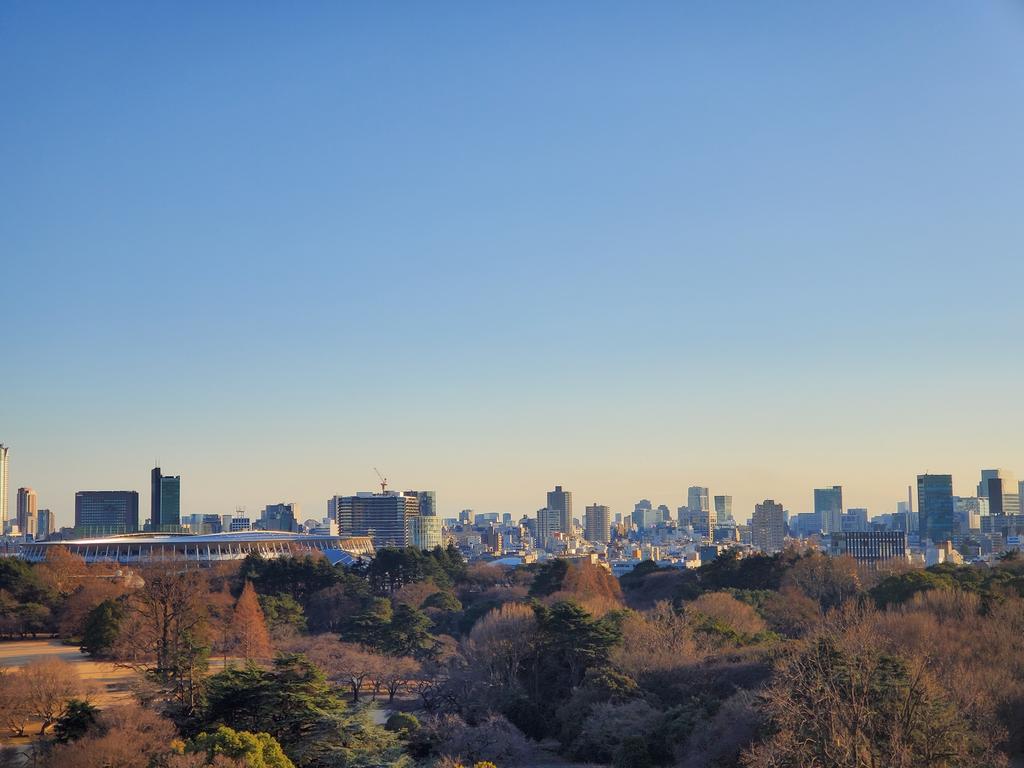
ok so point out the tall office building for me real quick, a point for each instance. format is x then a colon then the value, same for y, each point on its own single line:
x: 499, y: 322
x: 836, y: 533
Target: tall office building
x: 27, y: 503
x: 723, y: 509
x: 967, y: 512
x: 381, y: 516
x: 768, y: 526
x: 828, y: 502
x: 280, y: 517
x: 1002, y: 491
x: 103, y: 513
x: 599, y: 524
x: 703, y: 517
x: 425, y: 531
x: 697, y: 501
x: 4, y: 491
x: 427, y: 501
x: 643, y: 514
x: 45, y: 524
x: 935, y: 507
x: 561, y: 502
x: 165, y: 501
x: 855, y: 520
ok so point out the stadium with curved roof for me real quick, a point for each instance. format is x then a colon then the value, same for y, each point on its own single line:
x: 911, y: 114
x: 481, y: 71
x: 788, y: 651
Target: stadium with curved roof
x: 206, y: 548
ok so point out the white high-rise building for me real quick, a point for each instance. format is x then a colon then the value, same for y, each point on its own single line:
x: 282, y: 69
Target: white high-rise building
x: 3, y: 488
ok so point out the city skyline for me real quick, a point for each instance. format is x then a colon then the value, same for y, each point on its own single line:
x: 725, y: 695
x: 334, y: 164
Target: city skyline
x: 525, y: 249
x: 963, y: 486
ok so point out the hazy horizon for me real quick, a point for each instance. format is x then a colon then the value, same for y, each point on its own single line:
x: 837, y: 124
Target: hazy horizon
x: 491, y: 249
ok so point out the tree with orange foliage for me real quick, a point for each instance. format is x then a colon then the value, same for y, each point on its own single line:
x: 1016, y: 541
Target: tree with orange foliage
x: 62, y: 571
x: 252, y: 639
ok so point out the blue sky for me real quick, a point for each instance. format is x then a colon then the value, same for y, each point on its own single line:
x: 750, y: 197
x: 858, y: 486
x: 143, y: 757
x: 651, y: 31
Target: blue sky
x: 622, y: 247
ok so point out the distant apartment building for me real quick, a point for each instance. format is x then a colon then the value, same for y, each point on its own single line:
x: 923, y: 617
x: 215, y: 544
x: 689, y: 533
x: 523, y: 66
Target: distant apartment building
x: 768, y: 527
x: 381, y: 516
x: 548, y: 524
x: 828, y: 502
x: 165, y: 502
x: 104, y: 513
x: 935, y: 507
x: 561, y: 501
x: 239, y: 523
x: 599, y: 524
x: 27, y: 504
x: 870, y: 547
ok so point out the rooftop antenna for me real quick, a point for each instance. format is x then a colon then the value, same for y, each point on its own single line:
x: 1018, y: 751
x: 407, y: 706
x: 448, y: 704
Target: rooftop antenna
x: 383, y: 481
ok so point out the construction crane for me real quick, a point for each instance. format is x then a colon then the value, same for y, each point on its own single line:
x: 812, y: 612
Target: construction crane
x: 383, y: 481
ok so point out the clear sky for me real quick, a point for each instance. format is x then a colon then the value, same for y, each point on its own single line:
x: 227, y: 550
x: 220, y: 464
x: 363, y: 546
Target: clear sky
x: 491, y: 247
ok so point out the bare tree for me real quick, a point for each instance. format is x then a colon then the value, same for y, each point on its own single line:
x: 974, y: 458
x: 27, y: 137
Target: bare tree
x: 14, y: 710
x: 129, y: 736
x: 166, y: 628
x: 51, y: 683
x: 396, y: 673
x: 499, y: 642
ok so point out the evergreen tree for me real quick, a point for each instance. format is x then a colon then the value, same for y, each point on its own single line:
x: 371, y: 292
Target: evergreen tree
x: 101, y: 628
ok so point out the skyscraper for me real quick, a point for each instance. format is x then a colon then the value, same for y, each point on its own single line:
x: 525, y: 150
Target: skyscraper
x: 281, y: 517
x: 723, y: 509
x: 700, y: 514
x: 768, y: 526
x: 599, y: 524
x: 697, y: 501
x: 643, y: 514
x: 427, y: 502
x: 1002, y: 491
x: 561, y: 502
x: 828, y: 502
x: 3, y: 488
x: 101, y: 513
x: 45, y: 524
x: 935, y: 507
x: 27, y: 502
x: 165, y: 501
